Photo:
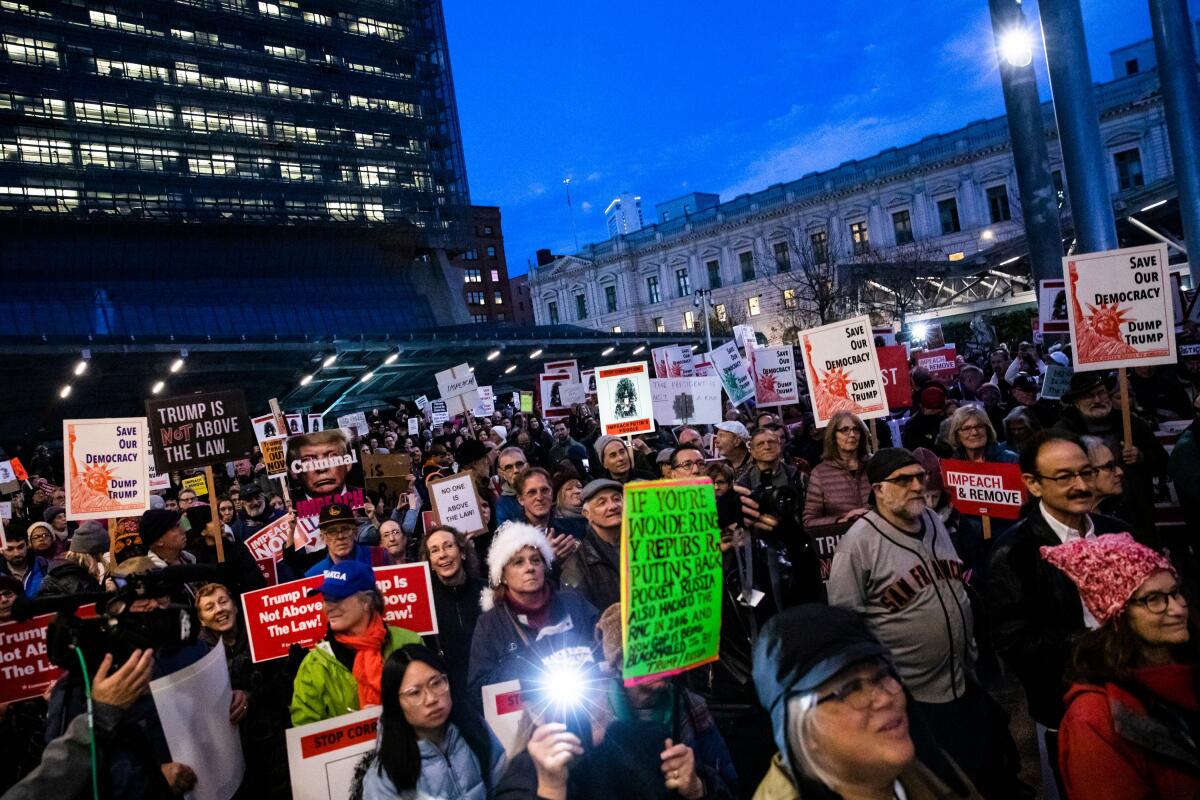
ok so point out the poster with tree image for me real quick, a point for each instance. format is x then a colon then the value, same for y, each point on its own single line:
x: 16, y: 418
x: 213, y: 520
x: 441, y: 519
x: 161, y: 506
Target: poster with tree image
x: 626, y: 402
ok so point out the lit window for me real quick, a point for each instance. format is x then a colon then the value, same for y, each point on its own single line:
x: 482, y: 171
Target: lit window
x: 373, y: 175
x: 789, y: 298
x: 27, y: 50
x: 37, y: 151
x: 204, y: 121
x: 366, y: 26
x: 689, y: 321
x: 659, y: 325
x: 495, y: 276
x: 39, y: 198
x: 215, y: 164
x: 286, y: 51
x: 243, y: 85
x: 118, y: 156
x: 293, y: 132
x: 473, y: 276
x: 270, y: 9
x: 131, y: 69
x: 491, y: 252
x: 498, y: 298
x: 48, y: 107
x: 384, y: 104
x: 476, y: 298
x: 858, y: 237
x: 317, y: 19
x: 616, y: 328
x: 753, y: 305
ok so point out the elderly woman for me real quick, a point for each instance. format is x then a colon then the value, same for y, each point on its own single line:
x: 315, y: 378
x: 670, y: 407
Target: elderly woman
x: 456, y: 590
x: 973, y: 438
x: 1129, y: 729
x: 840, y: 714
x: 838, y: 487
x: 525, y: 620
x: 568, y: 491
x: 1107, y: 488
x: 343, y: 672
x: 1020, y: 426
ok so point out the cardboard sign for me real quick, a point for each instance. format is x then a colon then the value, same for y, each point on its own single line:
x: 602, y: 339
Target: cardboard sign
x: 356, y: 422
x: 686, y: 401
x: 502, y: 710
x: 773, y: 370
x: 569, y: 366
x: 733, y: 372
x: 439, y: 413
x: 414, y: 426
x: 626, y: 402
x: 1056, y: 381
x: 322, y: 756
x: 316, y: 422
x: 671, y: 579
x: 1121, y: 313
x: 842, y: 369
x: 1052, y: 307
x: 456, y: 503
x: 274, y: 452
x: 941, y: 363
x: 108, y: 473
x: 672, y: 361
x: 744, y: 336
x: 198, y: 430
x: 995, y: 490
x: 196, y: 484
x: 550, y: 393
x: 458, y: 388
x: 897, y: 382
x: 25, y: 671
x: 387, y: 475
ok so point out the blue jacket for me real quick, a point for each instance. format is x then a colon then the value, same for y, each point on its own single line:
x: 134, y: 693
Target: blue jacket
x: 451, y: 772
x: 38, y: 567
x: 507, y: 509
x: 363, y: 553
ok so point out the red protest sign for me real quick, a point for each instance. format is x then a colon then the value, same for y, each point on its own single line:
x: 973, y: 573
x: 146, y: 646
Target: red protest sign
x: 19, y: 470
x: 268, y: 542
x: 994, y: 490
x: 893, y: 363
x: 269, y: 569
x: 407, y: 591
x: 25, y: 671
x: 940, y: 363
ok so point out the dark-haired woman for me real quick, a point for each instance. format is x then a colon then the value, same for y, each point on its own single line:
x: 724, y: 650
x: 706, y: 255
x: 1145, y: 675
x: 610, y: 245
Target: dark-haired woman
x: 427, y: 747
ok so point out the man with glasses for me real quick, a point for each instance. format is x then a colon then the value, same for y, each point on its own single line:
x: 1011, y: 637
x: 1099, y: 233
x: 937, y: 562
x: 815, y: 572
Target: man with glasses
x: 766, y: 451
x: 898, y: 569
x: 594, y: 568
x: 338, y: 533
x: 687, y: 461
x: 509, y: 465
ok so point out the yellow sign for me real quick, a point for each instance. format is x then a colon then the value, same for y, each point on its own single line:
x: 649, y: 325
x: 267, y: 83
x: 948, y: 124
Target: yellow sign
x: 196, y: 484
x: 274, y: 456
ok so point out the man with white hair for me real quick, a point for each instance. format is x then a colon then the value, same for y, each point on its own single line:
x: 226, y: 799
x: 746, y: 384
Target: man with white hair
x: 732, y: 440
x: 509, y: 465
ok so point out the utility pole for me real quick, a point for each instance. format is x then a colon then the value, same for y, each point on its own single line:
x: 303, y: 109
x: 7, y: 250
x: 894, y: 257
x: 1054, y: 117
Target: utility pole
x: 702, y: 300
x: 571, y: 210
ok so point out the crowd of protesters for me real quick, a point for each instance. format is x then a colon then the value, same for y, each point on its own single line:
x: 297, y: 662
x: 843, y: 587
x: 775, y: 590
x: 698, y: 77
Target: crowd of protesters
x: 867, y: 626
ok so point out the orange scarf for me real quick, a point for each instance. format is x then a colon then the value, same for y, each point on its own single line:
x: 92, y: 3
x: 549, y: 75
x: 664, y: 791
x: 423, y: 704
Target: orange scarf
x: 368, y: 660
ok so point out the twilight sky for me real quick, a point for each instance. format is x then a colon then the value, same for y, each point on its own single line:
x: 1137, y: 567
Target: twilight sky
x: 666, y: 97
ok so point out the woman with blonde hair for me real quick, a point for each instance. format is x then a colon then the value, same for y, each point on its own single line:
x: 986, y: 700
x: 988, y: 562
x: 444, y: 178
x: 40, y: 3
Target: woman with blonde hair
x: 838, y: 487
x: 973, y: 438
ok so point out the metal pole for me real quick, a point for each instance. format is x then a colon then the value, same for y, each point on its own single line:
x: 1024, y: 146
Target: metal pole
x: 1078, y: 125
x: 1176, y: 54
x: 707, y: 311
x: 1039, y: 200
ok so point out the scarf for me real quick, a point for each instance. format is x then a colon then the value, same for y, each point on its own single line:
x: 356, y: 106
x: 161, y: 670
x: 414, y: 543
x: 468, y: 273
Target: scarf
x: 537, y: 616
x: 368, y: 660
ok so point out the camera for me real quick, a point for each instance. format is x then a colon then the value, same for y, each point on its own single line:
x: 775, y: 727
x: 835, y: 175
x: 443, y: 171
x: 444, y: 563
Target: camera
x: 784, y: 503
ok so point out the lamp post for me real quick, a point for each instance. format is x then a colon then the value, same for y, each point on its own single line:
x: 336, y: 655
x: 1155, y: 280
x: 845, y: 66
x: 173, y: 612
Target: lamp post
x: 702, y: 300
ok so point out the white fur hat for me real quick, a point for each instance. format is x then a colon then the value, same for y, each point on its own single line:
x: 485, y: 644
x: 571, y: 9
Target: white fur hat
x: 510, y: 538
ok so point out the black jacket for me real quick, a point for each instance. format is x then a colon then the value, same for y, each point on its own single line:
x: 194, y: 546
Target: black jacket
x: 457, y: 612
x: 594, y: 571
x: 1035, y: 610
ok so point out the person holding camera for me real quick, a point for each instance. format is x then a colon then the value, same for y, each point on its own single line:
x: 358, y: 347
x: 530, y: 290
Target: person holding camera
x: 768, y: 469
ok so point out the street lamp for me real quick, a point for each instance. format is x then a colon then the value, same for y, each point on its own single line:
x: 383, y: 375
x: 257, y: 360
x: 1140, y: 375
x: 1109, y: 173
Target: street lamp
x: 702, y: 299
x: 1016, y: 47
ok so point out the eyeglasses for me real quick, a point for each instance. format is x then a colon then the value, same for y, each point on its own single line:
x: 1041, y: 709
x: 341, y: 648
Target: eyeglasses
x: 1067, y: 478
x: 905, y: 480
x: 437, y: 686
x: 512, y: 466
x: 688, y: 464
x: 860, y: 692
x: 1108, y: 466
x: 849, y: 429
x: 1157, y: 602
x: 972, y: 429
x: 338, y: 534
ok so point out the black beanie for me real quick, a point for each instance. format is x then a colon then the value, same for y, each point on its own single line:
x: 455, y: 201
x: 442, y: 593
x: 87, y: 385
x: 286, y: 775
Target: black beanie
x: 888, y: 460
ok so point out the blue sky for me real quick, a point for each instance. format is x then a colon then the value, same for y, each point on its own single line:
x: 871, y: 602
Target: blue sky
x: 664, y: 98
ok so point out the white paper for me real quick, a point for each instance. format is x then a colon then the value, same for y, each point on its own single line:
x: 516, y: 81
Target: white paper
x: 572, y: 393
x: 7, y: 474
x: 502, y: 710
x: 456, y: 503
x: 703, y: 394
x: 193, y: 707
x: 458, y: 388
x: 414, y: 426
x: 626, y: 402
x: 335, y: 747
x: 733, y: 372
x: 356, y: 422
x: 842, y: 369
x: 774, y: 372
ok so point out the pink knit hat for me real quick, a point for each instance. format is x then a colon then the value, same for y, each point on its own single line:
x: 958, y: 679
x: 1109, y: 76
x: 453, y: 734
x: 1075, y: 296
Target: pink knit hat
x: 1107, y: 570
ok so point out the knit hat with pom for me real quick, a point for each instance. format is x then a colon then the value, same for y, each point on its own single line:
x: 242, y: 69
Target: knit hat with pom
x: 510, y: 539
x: 1107, y: 570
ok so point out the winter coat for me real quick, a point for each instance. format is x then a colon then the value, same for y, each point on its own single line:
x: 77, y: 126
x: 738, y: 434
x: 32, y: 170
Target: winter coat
x: 921, y: 430
x: 1035, y: 610
x: 325, y: 685
x: 65, y: 577
x: 34, y: 575
x: 508, y: 509
x: 1184, y: 466
x: 458, y: 612
x: 832, y: 491
x: 1111, y: 747
x: 918, y: 780
x: 594, y: 571
x: 449, y: 772
x: 363, y: 553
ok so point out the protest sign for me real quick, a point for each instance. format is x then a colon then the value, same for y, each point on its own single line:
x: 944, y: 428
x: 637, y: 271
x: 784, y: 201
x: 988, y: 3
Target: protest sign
x: 199, y: 430
x: 733, y: 372
x: 456, y: 502
x: 108, y: 474
x: 1121, y: 313
x: 458, y: 388
x: 884, y: 336
x: 672, y: 361
x: 550, y: 393
x: 773, y: 370
x: 267, y: 542
x: 322, y: 756
x: 193, y: 709
x: 525, y: 402
x: 422, y: 402
x: 569, y: 366
x: 934, y: 337
x: 487, y: 403
x: 7, y: 473
x: 1052, y: 306
x: 626, y: 402
x: 274, y: 451
x: 316, y: 422
x: 266, y: 426
x: 407, y: 591
x: 984, y: 489
x: 1056, y: 381
x: 356, y: 422
x: 671, y: 580
x: 686, y: 401
x: 941, y: 363
x: 323, y: 468
x: 502, y: 710
x: 572, y: 394
x: 744, y: 336
x: 825, y: 538
x: 196, y: 484
x: 588, y: 379
x: 25, y: 671
x: 18, y: 469
x: 897, y: 384
x: 387, y: 476
x: 414, y: 426
x: 843, y: 370
x: 702, y: 366
x: 438, y: 413
x: 6, y: 510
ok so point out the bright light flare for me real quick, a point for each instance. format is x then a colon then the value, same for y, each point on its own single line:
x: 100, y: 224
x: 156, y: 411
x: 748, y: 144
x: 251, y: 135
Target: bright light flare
x: 607, y: 351
x: 177, y: 365
x: 306, y: 380
x: 392, y: 358
x: 920, y: 331
x: 157, y: 387
x: 81, y: 367
x: 511, y: 368
x: 641, y: 349
x: 366, y: 377
x: 328, y: 362
x: 492, y: 356
x: 65, y: 392
x: 1016, y: 47
x: 536, y: 353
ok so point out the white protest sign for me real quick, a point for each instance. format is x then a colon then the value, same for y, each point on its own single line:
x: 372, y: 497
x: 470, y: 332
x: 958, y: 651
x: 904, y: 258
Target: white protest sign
x: 438, y: 415
x: 702, y: 366
x: 672, y: 361
x: 458, y: 388
x: 843, y: 372
x: 356, y: 422
x: 570, y: 366
x: 414, y: 426
x: 774, y: 372
x: 744, y: 336
x: 1121, y: 310
x: 733, y: 372
x: 1056, y: 381
x: 322, y: 756
x: 422, y: 402
x: 1052, y: 307
x: 626, y: 402
x: 550, y: 393
x: 686, y: 401
x: 502, y: 710
x: 487, y: 402
x: 456, y: 502
x: 6, y: 510
x: 588, y: 379
x: 106, y: 467
x: 7, y: 473
x: 315, y: 423
x: 572, y: 394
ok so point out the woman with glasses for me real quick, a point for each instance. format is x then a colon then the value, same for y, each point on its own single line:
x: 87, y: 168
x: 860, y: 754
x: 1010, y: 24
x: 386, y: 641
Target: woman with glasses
x: 1130, y: 729
x: 1108, y: 486
x: 840, y: 715
x: 838, y: 487
x: 427, y: 745
x: 973, y: 438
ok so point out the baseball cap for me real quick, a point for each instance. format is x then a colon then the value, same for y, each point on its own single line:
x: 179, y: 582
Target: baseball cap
x: 345, y: 579
x: 734, y: 427
x: 335, y: 514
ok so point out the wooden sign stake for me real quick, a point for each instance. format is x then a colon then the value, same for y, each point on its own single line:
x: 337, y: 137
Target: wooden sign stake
x: 215, y: 521
x: 1126, y: 403
x: 987, y: 526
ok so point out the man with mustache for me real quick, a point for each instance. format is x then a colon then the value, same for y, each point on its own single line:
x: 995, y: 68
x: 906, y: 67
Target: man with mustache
x: 1091, y: 411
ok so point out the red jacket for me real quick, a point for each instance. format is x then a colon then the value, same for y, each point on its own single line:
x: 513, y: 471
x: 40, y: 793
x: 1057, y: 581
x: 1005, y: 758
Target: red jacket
x: 1109, y: 748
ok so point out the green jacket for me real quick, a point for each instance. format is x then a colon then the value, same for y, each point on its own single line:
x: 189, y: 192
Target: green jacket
x: 324, y: 688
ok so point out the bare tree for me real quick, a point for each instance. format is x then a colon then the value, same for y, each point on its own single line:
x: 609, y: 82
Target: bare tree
x: 897, y: 281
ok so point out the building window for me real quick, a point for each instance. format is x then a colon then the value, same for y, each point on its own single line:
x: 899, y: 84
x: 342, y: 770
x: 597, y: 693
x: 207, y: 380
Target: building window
x: 580, y: 306
x: 491, y: 252
x: 858, y: 238
x: 948, y: 214
x: 902, y: 227
x: 683, y: 283
x: 652, y: 289
x: 689, y: 321
x: 495, y: 276
x: 610, y: 298
x: 659, y: 326
x: 998, y: 208
x: 719, y: 312
x: 819, y: 240
x: 1129, y: 169
x: 714, y: 274
x: 789, y: 298
x: 552, y: 312
x: 616, y: 329
x: 1131, y: 66
x: 25, y: 50
x: 501, y: 316
x: 476, y: 298
x: 753, y: 305
x: 488, y: 230
x: 783, y: 258
x: 479, y: 318
x: 473, y: 276
x: 746, y: 260
x: 497, y: 298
